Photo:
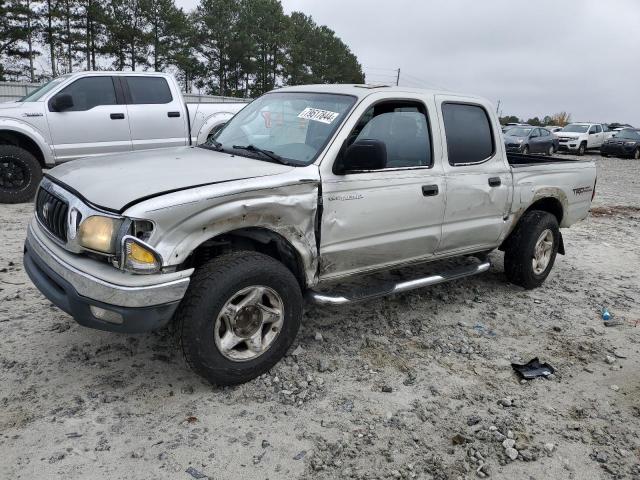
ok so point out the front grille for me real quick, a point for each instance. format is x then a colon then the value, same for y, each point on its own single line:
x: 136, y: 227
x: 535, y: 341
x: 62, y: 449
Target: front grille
x: 52, y: 213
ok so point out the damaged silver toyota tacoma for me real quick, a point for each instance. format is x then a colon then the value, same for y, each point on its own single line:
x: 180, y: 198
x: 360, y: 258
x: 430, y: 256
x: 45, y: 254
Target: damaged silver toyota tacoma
x: 305, y: 188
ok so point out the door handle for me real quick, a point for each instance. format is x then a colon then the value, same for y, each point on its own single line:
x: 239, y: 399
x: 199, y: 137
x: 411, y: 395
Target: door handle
x: 495, y: 182
x: 430, y: 190
x: 173, y: 114
x: 117, y: 116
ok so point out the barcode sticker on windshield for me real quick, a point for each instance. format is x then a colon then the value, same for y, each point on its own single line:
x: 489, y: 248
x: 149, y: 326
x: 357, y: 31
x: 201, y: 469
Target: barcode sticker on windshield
x: 324, y: 116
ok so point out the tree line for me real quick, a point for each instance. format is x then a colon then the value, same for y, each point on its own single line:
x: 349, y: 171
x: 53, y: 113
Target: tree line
x: 559, y: 119
x: 224, y: 47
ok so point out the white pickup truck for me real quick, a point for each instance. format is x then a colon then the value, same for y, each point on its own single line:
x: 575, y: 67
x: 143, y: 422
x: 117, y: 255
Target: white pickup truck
x: 301, y: 191
x: 580, y: 137
x: 95, y: 113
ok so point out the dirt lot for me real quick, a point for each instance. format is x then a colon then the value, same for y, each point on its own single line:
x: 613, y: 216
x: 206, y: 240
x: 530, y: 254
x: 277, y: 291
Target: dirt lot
x: 418, y: 386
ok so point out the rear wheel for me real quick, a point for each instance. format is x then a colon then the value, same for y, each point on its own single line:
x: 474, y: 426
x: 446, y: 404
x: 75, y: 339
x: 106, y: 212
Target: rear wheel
x: 20, y: 174
x: 581, y: 149
x: 531, y: 250
x: 240, y: 315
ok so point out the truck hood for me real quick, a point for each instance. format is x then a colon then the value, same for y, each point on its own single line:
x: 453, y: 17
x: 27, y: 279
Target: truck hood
x: 114, y: 182
x: 570, y: 134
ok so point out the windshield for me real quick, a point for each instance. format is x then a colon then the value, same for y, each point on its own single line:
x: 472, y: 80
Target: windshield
x: 576, y: 128
x: 294, y: 126
x: 519, y: 132
x: 628, y: 134
x: 42, y: 90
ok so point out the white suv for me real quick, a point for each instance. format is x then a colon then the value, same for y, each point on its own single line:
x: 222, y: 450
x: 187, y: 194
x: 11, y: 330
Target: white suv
x: 578, y: 137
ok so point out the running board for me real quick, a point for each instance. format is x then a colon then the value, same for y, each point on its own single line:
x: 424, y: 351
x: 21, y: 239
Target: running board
x: 389, y: 289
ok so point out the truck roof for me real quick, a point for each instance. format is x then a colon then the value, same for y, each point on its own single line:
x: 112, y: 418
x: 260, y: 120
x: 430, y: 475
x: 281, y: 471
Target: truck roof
x: 94, y: 73
x: 363, y: 90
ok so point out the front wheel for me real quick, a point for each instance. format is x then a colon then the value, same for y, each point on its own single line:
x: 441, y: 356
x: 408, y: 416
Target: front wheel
x: 20, y: 174
x: 532, y: 248
x: 525, y: 150
x: 581, y: 149
x: 636, y: 154
x: 240, y: 315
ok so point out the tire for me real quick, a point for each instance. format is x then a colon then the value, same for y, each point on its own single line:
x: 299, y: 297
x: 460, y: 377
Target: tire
x: 200, y: 321
x: 550, y: 151
x: 525, y: 150
x: 581, y: 149
x: 20, y: 174
x: 521, y: 248
x: 604, y: 155
x: 636, y: 154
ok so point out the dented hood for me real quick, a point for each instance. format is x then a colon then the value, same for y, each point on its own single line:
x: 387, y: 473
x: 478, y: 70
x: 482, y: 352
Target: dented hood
x: 115, y: 182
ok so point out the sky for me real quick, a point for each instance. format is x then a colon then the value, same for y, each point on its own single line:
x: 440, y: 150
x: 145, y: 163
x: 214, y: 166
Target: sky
x: 536, y: 57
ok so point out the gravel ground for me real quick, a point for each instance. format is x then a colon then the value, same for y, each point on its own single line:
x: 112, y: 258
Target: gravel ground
x: 416, y: 386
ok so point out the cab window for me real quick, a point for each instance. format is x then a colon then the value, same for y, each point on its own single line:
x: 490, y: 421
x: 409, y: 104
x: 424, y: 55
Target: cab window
x: 90, y: 92
x: 468, y: 132
x: 403, y: 127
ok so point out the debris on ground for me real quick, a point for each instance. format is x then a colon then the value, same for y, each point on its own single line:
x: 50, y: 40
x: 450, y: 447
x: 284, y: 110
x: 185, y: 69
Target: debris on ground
x: 533, y: 369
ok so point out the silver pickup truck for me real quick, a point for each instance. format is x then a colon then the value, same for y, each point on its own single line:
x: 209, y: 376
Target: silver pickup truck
x: 301, y: 191
x: 95, y: 113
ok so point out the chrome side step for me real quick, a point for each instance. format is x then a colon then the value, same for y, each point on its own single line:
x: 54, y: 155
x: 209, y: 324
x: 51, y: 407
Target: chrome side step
x: 454, y: 274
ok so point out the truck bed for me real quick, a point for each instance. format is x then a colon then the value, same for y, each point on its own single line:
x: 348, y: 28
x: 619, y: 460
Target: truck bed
x: 519, y: 160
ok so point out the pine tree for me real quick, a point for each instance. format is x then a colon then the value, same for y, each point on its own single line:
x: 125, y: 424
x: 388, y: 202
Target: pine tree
x: 14, y: 39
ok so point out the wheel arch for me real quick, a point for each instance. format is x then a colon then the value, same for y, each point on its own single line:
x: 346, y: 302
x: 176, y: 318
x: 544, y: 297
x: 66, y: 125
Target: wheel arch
x: 31, y: 141
x: 210, y: 123
x: 549, y: 204
x: 259, y: 239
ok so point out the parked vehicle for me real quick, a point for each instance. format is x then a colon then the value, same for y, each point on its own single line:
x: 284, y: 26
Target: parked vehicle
x: 96, y: 113
x: 625, y: 143
x: 303, y: 189
x: 509, y: 126
x: 553, y: 128
x: 618, y: 126
x: 530, y: 140
x: 579, y: 137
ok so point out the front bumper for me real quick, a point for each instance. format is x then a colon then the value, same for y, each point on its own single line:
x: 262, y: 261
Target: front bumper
x: 617, y: 149
x: 131, y: 308
x: 568, y: 145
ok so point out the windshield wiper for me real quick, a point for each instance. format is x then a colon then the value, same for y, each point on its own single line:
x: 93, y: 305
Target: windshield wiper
x: 212, y: 145
x: 267, y: 153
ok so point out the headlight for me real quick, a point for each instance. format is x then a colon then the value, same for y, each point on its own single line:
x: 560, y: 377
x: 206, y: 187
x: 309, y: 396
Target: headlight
x: 138, y: 257
x: 630, y: 144
x: 98, y: 233
x: 520, y: 140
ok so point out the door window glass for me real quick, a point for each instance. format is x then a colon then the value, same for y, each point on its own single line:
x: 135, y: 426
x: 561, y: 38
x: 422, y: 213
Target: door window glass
x: 404, y: 129
x: 468, y: 132
x: 149, y: 90
x: 89, y: 92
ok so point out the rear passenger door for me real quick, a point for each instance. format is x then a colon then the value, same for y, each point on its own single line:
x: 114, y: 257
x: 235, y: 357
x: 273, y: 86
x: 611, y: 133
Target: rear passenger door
x: 535, y: 140
x: 156, y: 115
x: 478, y: 180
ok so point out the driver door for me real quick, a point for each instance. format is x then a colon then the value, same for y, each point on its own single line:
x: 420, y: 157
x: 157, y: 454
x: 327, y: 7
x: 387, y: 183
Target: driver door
x: 96, y: 124
x: 393, y: 215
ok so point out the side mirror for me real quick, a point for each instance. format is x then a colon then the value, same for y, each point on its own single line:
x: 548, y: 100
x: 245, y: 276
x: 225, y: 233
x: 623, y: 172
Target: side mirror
x: 61, y: 102
x: 365, y: 154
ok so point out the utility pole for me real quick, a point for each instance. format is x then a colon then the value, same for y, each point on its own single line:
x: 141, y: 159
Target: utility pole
x: 398, y: 78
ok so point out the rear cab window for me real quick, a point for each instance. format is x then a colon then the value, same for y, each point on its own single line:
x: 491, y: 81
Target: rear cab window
x: 468, y: 132
x: 148, y: 90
